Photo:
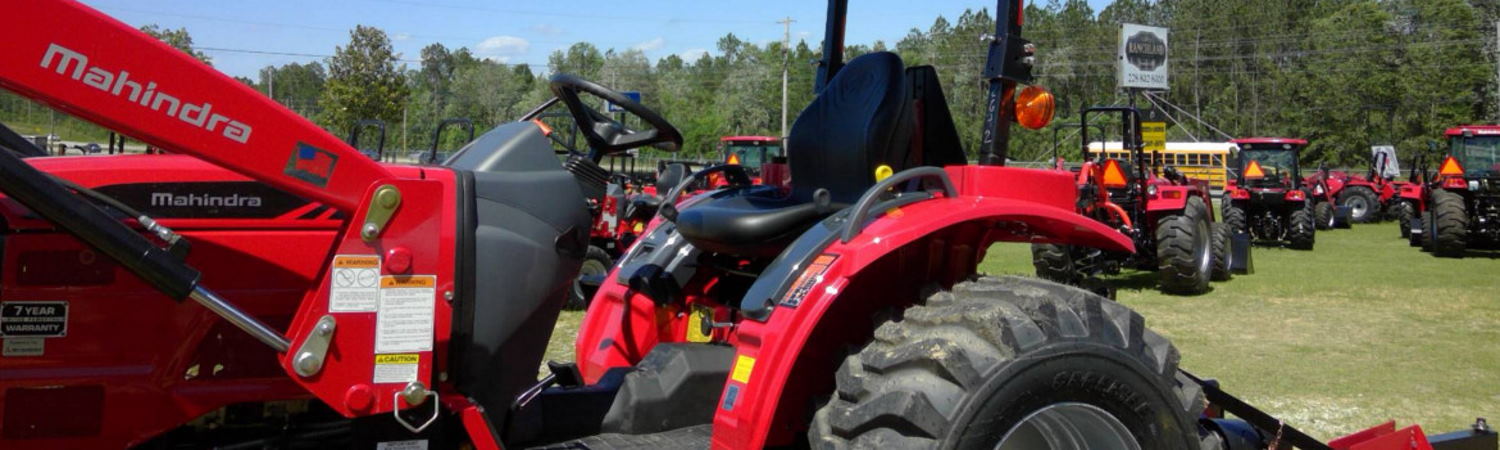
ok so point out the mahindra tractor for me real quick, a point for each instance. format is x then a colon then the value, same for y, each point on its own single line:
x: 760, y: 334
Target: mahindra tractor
x: 1167, y: 218
x: 268, y: 286
x: 1267, y: 197
x: 1367, y: 198
x: 1458, y: 207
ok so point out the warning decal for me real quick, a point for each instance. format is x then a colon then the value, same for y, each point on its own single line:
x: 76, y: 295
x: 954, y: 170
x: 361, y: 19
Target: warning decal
x: 810, y: 277
x: 396, y: 368
x: 403, y: 320
x: 33, y: 319
x: 24, y: 346
x: 354, y: 283
x: 743, y: 367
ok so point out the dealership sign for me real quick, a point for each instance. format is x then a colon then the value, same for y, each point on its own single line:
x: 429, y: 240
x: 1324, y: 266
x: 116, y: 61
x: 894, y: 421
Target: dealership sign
x: 1143, y: 57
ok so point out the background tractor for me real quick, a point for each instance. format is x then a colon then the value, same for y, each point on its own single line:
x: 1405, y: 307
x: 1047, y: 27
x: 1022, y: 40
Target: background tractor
x: 1368, y: 198
x: 1168, y: 218
x: 1458, y: 207
x: 1267, y: 197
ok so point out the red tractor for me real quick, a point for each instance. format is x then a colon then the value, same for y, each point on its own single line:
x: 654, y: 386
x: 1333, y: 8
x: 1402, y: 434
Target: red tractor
x: 750, y: 151
x: 1458, y: 208
x: 329, y: 300
x: 1368, y: 198
x: 1167, y: 218
x: 1267, y: 197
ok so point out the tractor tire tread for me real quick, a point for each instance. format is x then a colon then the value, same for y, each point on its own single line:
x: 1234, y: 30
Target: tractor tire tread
x: 1452, y: 220
x: 912, y: 386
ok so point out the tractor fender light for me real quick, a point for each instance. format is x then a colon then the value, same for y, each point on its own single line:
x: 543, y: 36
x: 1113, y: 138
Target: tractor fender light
x: 1035, y: 107
x: 1151, y: 190
x: 1473, y: 185
x: 1295, y: 195
x: 1172, y: 194
x: 1455, y: 183
x: 1240, y: 194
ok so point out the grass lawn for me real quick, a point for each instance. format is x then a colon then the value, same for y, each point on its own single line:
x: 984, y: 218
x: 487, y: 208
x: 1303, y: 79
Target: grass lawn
x: 1361, y: 330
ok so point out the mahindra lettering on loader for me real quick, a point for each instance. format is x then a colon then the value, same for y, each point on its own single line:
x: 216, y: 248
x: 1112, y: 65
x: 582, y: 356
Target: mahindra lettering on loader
x: 406, y: 306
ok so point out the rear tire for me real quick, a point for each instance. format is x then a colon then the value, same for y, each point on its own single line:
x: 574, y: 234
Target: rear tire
x: 1323, y: 212
x: 1364, y: 206
x: 1234, y: 218
x: 1452, y: 222
x: 966, y: 367
x: 1405, y: 212
x: 1184, y: 250
x: 1054, y: 263
x: 1301, y: 234
x: 595, y: 263
x: 1221, y: 270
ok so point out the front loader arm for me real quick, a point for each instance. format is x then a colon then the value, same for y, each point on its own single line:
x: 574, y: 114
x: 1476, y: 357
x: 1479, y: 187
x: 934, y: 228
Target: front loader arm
x: 86, y: 64
x: 89, y: 65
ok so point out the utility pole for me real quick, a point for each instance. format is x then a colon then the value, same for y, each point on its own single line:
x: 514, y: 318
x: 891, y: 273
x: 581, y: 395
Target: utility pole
x: 786, y: 46
x: 271, y: 82
x: 1497, y: 70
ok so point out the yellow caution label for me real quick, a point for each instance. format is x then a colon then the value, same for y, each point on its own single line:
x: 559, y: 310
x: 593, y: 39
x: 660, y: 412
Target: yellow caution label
x: 356, y: 262
x: 398, y: 358
x: 743, y: 366
x: 411, y: 281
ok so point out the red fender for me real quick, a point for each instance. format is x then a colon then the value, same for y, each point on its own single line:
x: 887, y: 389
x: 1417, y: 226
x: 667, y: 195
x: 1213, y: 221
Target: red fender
x: 765, y: 399
x: 1414, y: 193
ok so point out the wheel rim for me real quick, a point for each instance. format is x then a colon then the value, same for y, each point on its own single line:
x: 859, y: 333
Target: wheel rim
x: 1068, y: 426
x: 1205, y: 247
x: 1357, y: 206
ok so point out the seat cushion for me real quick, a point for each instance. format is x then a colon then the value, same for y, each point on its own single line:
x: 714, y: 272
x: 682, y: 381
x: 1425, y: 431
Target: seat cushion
x: 746, y: 222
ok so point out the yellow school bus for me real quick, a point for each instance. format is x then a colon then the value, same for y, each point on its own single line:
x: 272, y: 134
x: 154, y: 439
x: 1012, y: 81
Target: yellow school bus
x: 1208, y: 161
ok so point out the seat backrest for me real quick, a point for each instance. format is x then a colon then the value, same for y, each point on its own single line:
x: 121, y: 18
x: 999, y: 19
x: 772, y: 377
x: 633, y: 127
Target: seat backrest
x: 861, y: 120
x: 936, y: 142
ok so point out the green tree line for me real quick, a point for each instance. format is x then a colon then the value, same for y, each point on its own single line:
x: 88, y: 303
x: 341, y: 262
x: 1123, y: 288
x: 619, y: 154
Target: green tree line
x: 1342, y: 73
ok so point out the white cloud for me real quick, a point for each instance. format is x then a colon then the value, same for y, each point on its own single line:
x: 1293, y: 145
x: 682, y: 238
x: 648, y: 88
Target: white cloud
x: 546, y: 29
x: 650, y: 45
x: 400, y: 36
x: 501, y: 48
x: 691, y: 55
x: 803, y: 34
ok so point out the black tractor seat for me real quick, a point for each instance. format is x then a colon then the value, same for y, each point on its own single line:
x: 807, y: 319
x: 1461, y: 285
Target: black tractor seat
x: 862, y: 119
x: 750, y: 222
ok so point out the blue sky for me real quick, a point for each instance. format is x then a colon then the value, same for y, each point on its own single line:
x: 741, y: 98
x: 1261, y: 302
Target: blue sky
x: 510, y: 31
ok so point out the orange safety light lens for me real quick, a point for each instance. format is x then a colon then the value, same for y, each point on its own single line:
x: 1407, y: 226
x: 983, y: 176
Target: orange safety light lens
x: 734, y: 158
x: 1253, y: 171
x: 1114, y: 176
x: 1035, y: 107
x: 546, y: 130
x: 1451, y: 167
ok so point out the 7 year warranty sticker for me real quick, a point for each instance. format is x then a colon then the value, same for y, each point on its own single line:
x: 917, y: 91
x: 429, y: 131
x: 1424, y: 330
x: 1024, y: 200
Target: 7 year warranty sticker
x: 354, y: 284
x: 403, y: 322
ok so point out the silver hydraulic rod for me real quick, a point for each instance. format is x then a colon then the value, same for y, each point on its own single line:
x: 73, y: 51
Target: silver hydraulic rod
x: 237, y: 317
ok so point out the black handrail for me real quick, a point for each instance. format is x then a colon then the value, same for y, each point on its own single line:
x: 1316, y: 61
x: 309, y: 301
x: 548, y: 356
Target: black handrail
x: 862, y: 207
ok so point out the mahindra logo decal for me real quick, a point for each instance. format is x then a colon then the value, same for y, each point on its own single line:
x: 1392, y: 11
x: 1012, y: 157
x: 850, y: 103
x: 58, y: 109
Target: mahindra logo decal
x: 230, y: 201
x: 202, y: 116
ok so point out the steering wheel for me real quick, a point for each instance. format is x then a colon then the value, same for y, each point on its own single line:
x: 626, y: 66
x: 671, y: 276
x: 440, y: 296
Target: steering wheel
x: 605, y: 135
